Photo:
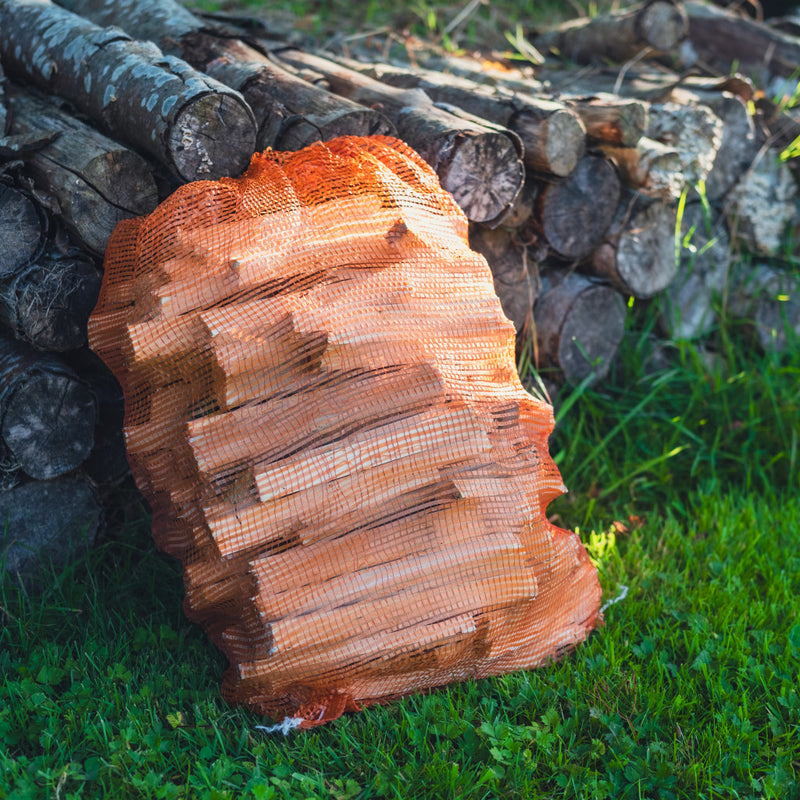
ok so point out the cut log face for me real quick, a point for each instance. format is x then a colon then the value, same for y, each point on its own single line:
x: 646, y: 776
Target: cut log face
x: 22, y: 230
x: 47, y: 414
x: 334, y: 439
x: 579, y: 326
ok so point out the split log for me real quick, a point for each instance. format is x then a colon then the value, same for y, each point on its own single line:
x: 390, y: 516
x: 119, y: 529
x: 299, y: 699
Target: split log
x: 688, y: 303
x: 47, y: 524
x: 47, y: 413
x: 762, y: 204
x: 638, y: 255
x: 47, y: 302
x: 719, y: 39
x: 573, y: 214
x: 96, y: 181
x: 478, y: 163
x: 195, y: 125
x: 23, y: 230
x: 290, y: 112
x: 579, y: 326
x: 610, y: 119
x: 654, y: 28
x: 514, y: 272
x: 553, y: 136
x: 768, y: 300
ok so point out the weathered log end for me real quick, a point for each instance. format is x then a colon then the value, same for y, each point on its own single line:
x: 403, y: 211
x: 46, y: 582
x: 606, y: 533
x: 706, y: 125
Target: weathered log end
x: 662, y: 24
x: 484, y: 175
x: 213, y: 137
x: 579, y: 326
x: 22, y: 229
x: 559, y: 139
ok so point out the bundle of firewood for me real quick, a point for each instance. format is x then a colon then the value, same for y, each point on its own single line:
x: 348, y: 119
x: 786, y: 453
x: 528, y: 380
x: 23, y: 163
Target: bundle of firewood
x: 629, y: 164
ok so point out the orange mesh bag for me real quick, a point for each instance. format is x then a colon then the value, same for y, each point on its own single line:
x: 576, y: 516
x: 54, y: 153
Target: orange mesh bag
x: 323, y: 410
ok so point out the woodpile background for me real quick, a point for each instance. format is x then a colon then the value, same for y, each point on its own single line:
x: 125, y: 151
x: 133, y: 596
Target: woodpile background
x: 627, y: 162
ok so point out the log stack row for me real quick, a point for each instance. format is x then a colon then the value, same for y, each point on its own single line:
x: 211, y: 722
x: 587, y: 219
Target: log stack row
x: 629, y: 163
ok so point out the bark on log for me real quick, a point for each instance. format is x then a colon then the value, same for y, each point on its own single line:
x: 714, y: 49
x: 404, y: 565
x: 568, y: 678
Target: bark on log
x: 651, y: 168
x: 195, y: 125
x: 106, y: 464
x: 610, y: 119
x: 290, y: 112
x: 768, y: 300
x: 47, y: 302
x: 514, y: 271
x: 553, y: 136
x: 688, y: 303
x: 47, y: 414
x: 573, y: 214
x: 23, y: 230
x: 47, y: 524
x: 579, y: 326
x: 762, y: 204
x: 718, y: 39
x: 638, y: 255
x: 478, y: 163
x: 96, y: 181
x: 658, y: 26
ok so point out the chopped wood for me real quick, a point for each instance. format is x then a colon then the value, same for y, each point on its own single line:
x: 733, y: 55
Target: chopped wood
x: 47, y: 302
x: 651, y: 28
x: 650, y: 168
x: 196, y: 126
x: 290, y: 112
x: 47, y: 413
x: 573, y: 214
x: 552, y: 135
x: 579, y: 326
x: 638, y: 254
x: 477, y: 162
x: 23, y: 230
x: 96, y: 181
x: 610, y: 119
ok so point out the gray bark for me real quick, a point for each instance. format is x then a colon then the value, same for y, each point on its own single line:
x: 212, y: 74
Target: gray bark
x: 195, y: 125
x: 47, y: 413
x: 96, y: 181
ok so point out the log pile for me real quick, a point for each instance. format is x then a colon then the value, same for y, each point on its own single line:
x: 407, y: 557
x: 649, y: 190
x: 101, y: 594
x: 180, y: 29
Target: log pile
x: 631, y: 163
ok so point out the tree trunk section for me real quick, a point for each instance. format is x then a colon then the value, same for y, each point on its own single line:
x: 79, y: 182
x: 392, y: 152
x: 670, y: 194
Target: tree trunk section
x: 47, y: 524
x: 514, y: 271
x: 195, y: 125
x: 47, y: 303
x: 651, y: 168
x: 23, y: 230
x: 638, y: 255
x: 479, y: 164
x: 290, y: 112
x: 658, y: 26
x: 553, y: 136
x: 572, y: 215
x: 687, y: 304
x: 610, y: 119
x: 47, y: 414
x: 96, y: 181
x: 579, y: 326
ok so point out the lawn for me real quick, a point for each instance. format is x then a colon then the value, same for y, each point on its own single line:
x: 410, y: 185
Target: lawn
x: 685, y: 486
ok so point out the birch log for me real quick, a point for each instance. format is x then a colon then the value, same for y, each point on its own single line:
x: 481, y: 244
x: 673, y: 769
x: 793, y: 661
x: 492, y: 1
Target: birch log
x: 96, y: 181
x: 195, y: 125
x: 290, y: 112
x: 478, y: 163
x: 579, y: 326
x: 47, y: 414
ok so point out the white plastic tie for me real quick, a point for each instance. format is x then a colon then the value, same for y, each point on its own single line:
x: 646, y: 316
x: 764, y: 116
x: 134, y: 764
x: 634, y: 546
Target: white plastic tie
x: 623, y: 593
x: 285, y: 727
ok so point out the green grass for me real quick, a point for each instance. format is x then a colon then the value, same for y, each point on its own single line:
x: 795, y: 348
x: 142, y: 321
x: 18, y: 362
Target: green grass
x: 685, y: 488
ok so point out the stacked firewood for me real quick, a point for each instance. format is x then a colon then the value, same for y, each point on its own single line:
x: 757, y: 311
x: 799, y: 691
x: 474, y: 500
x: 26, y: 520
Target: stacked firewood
x: 628, y: 164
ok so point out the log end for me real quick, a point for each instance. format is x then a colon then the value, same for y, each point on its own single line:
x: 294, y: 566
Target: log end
x: 214, y: 136
x: 663, y: 25
x: 565, y: 142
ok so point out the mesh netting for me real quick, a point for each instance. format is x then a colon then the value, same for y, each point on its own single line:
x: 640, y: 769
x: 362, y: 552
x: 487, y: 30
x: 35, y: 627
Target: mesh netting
x: 323, y: 410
